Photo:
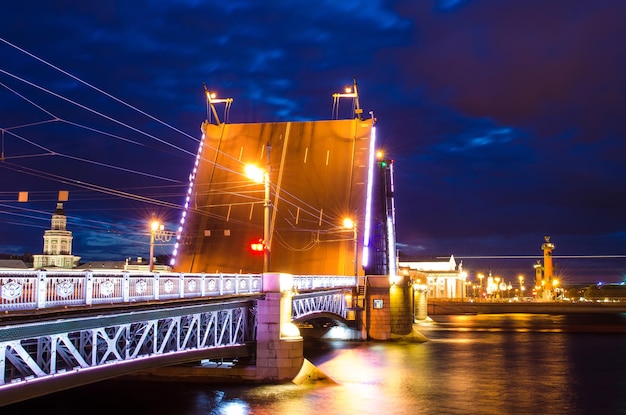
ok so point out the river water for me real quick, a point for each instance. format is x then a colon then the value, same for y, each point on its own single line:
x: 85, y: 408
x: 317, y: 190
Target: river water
x: 478, y: 364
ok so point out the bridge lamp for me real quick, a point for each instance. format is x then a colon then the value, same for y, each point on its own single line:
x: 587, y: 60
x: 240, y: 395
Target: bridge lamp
x: 260, y: 175
x: 350, y: 224
x: 154, y: 227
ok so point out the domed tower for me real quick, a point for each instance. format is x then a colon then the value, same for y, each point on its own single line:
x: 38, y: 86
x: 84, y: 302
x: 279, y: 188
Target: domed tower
x: 57, y: 244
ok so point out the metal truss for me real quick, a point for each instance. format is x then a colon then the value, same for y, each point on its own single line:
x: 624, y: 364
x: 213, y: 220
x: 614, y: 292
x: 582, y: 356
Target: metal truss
x: 333, y: 301
x: 40, y: 351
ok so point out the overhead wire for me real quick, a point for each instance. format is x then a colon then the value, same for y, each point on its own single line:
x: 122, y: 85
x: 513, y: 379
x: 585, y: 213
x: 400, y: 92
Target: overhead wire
x: 293, y: 201
x: 97, y: 89
x: 86, y: 108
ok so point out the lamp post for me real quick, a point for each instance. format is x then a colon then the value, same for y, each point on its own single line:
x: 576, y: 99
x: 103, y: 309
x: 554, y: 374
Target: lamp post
x: 463, y: 276
x: 521, y: 282
x: 350, y: 224
x: 154, y: 227
x: 497, y: 280
x: 262, y: 176
x: 555, y: 284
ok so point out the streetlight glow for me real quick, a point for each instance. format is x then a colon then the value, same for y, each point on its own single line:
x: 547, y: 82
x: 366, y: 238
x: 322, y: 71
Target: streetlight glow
x: 260, y: 175
x: 348, y: 223
x: 254, y: 172
x: 154, y: 227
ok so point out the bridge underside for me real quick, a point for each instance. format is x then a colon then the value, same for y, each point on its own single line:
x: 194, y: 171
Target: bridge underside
x: 318, y: 175
x: 43, y: 357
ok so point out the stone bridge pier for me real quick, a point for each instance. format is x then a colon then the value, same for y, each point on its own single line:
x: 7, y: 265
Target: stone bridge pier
x: 391, y: 306
x: 279, y: 343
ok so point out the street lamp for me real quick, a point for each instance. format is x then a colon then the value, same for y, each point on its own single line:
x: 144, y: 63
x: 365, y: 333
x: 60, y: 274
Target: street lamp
x: 480, y: 291
x: 521, y: 282
x: 555, y: 284
x: 154, y: 227
x: 262, y: 176
x: 350, y: 224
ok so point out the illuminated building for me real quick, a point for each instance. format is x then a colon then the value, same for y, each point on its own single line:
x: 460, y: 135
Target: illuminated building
x: 57, y: 244
x: 443, y: 278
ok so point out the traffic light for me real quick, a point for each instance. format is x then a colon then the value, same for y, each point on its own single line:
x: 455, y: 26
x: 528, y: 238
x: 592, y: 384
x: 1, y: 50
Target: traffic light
x: 257, y: 246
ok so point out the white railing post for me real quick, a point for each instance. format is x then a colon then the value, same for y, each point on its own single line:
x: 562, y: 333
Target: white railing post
x: 42, y: 288
x: 156, y: 288
x: 126, y: 287
x: 88, y: 288
x: 202, y: 285
x: 181, y: 285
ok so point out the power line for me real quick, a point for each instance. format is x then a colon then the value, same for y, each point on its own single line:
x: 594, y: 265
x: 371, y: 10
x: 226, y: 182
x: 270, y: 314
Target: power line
x: 97, y: 89
x: 533, y: 256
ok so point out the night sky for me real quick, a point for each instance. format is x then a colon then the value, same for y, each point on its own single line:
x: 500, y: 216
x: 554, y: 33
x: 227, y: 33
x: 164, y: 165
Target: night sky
x: 506, y: 120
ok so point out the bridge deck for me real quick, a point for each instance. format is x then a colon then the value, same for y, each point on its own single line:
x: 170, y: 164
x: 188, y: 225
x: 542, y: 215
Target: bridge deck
x: 318, y: 175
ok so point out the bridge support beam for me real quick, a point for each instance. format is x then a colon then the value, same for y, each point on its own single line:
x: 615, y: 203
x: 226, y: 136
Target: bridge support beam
x: 279, y: 344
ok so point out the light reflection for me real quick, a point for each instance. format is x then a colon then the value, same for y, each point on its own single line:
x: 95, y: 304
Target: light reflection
x: 490, y: 373
x: 234, y: 407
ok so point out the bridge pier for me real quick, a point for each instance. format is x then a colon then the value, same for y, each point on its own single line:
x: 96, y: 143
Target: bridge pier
x: 420, y: 301
x: 389, y: 307
x: 279, y: 344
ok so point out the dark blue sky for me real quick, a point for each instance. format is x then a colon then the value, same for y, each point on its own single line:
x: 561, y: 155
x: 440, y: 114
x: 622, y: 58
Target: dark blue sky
x: 506, y: 119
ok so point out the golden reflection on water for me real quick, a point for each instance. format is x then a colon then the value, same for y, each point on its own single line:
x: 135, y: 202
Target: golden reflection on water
x: 472, y: 364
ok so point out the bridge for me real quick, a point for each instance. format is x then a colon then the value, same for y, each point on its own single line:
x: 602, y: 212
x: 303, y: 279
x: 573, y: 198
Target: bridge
x: 64, y: 328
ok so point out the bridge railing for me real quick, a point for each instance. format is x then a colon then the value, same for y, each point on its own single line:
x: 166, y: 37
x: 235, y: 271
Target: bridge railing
x: 24, y: 290
x: 31, y: 290
x: 316, y: 282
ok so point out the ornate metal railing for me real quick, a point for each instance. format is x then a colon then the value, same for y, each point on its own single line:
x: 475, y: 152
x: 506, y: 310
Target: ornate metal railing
x: 24, y: 290
x: 316, y: 282
x: 31, y: 290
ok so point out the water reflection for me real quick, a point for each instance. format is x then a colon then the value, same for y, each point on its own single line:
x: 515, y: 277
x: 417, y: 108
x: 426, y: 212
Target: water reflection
x: 498, y: 364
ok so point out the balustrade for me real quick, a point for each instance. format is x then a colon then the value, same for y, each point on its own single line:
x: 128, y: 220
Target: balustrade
x: 29, y: 290
x: 23, y: 290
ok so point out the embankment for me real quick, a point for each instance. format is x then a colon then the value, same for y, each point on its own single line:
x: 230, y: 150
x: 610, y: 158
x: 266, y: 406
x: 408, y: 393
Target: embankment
x: 442, y: 307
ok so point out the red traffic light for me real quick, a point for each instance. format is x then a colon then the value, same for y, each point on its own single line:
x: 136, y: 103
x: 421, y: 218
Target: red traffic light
x: 257, y: 246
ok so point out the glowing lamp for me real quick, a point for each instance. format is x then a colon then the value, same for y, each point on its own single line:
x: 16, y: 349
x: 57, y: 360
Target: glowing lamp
x: 257, y: 246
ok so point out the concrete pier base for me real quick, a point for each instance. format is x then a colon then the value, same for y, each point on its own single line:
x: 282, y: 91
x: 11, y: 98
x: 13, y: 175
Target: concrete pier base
x: 279, y: 343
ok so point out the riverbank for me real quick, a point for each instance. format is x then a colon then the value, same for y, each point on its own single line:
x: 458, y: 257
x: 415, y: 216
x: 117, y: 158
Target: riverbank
x: 442, y: 307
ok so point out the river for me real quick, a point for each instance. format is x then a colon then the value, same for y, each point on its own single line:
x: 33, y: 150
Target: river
x: 474, y: 364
